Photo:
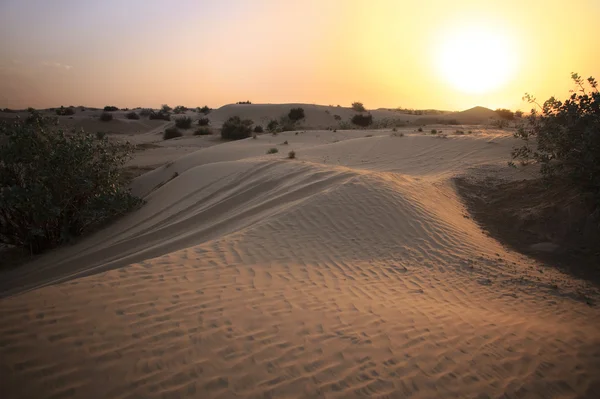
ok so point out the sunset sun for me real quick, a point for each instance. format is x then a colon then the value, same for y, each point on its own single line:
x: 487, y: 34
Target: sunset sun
x: 476, y: 60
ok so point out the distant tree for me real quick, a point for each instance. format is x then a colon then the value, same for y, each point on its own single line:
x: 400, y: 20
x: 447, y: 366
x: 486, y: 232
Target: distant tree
x: 166, y: 109
x: 518, y: 113
x: 180, y: 109
x: 110, y: 108
x: 244, y: 102
x: 296, y: 114
x: 205, y: 110
x: 358, y: 107
x: 236, y: 128
x: 506, y: 114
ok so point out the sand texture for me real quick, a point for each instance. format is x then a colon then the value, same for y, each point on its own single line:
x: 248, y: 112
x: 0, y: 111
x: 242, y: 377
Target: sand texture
x: 352, y: 271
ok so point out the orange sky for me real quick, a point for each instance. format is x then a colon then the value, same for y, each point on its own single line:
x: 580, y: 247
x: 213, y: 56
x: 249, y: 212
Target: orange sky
x: 384, y: 53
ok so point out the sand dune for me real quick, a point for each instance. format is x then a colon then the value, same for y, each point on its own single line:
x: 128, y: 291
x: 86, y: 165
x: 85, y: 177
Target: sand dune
x: 351, y: 271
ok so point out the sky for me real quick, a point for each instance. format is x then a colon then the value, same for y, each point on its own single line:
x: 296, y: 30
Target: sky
x: 426, y: 54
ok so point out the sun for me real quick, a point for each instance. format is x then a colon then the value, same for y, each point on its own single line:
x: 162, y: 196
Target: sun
x: 476, y: 59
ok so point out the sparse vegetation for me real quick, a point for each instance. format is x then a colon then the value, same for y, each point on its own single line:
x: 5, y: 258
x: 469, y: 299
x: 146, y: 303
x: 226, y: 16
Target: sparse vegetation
x: 171, y: 133
x: 272, y: 151
x: 236, y: 128
x: 165, y: 109
x: 165, y: 116
x: 337, y: 117
x: 258, y: 129
x: 518, y: 113
x: 397, y: 134
x: 132, y: 115
x: 362, y: 120
x: 56, y: 185
x: 292, y: 154
x: 500, y: 123
x: 296, y: 114
x: 567, y: 138
x: 62, y: 111
x: 244, y: 102
x: 205, y: 110
x: 285, y: 143
x: 180, y: 109
x: 145, y: 112
x: 203, y: 122
x: 358, y: 107
x: 459, y: 132
x: 183, y: 123
x: 506, y: 114
x: 202, y: 131
x: 272, y: 125
x: 110, y: 108
x: 106, y: 117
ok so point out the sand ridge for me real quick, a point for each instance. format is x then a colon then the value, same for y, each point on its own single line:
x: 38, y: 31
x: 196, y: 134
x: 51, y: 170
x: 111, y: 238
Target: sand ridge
x: 351, y: 271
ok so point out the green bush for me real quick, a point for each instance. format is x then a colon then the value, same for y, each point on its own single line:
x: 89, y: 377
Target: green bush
x: 564, y: 137
x: 272, y: 151
x: 202, y: 131
x: 183, y: 123
x: 235, y: 128
x: 433, y: 131
x: 106, y: 117
x: 62, y: 111
x: 132, y: 115
x: 171, y: 133
x: 55, y: 185
x: 203, y: 122
x: 362, y: 120
x: 292, y: 154
x: 296, y: 114
x: 358, y: 107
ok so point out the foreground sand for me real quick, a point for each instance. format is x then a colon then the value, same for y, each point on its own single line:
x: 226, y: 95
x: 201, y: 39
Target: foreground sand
x: 351, y: 271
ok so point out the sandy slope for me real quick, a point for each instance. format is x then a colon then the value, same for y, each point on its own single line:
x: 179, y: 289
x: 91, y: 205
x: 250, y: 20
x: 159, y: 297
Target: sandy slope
x: 351, y: 271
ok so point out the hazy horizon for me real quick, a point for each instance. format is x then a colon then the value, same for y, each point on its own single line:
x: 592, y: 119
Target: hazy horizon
x: 427, y: 54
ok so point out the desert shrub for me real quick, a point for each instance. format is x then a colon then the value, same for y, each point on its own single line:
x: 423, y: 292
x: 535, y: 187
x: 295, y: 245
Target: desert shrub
x: 202, y: 131
x: 180, y: 109
x: 165, y: 116
x: 500, y: 123
x: 65, y: 111
x: 358, y: 107
x: 296, y: 114
x: 110, y: 108
x: 433, y: 131
x: 165, y: 109
x: 397, y: 134
x: 171, y: 133
x: 236, y: 128
x: 292, y: 154
x: 132, y: 115
x: 337, y: 117
x: 505, y: 114
x: 145, y: 112
x: 420, y: 129
x: 55, y: 185
x: 100, y: 135
x: 362, y: 120
x: 564, y: 137
x: 272, y: 151
x: 459, y: 132
x: 205, y: 110
x: 106, y: 117
x: 183, y: 123
x: 244, y: 102
x: 272, y: 126
x: 518, y: 113
x: 286, y: 124
x: 203, y: 122
x: 258, y: 129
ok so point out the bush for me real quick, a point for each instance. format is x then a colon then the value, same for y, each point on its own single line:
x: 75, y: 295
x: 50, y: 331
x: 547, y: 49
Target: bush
x: 55, y: 185
x: 205, y: 110
x: 358, y: 107
x: 165, y: 109
x: 506, y: 114
x: 180, y: 109
x: 235, y: 128
x: 244, y: 102
x: 183, y: 123
x: 362, y: 120
x: 272, y: 126
x: 433, y: 131
x: 110, y: 108
x: 165, y: 116
x: 65, y: 111
x: 203, y: 122
x: 202, y: 131
x: 567, y: 135
x: 292, y: 154
x: 296, y: 114
x: 132, y: 115
x: 171, y: 133
x: 337, y: 117
x: 518, y: 113
x: 145, y: 112
x: 106, y: 117
x: 258, y: 129
x: 272, y: 151
x: 420, y: 129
